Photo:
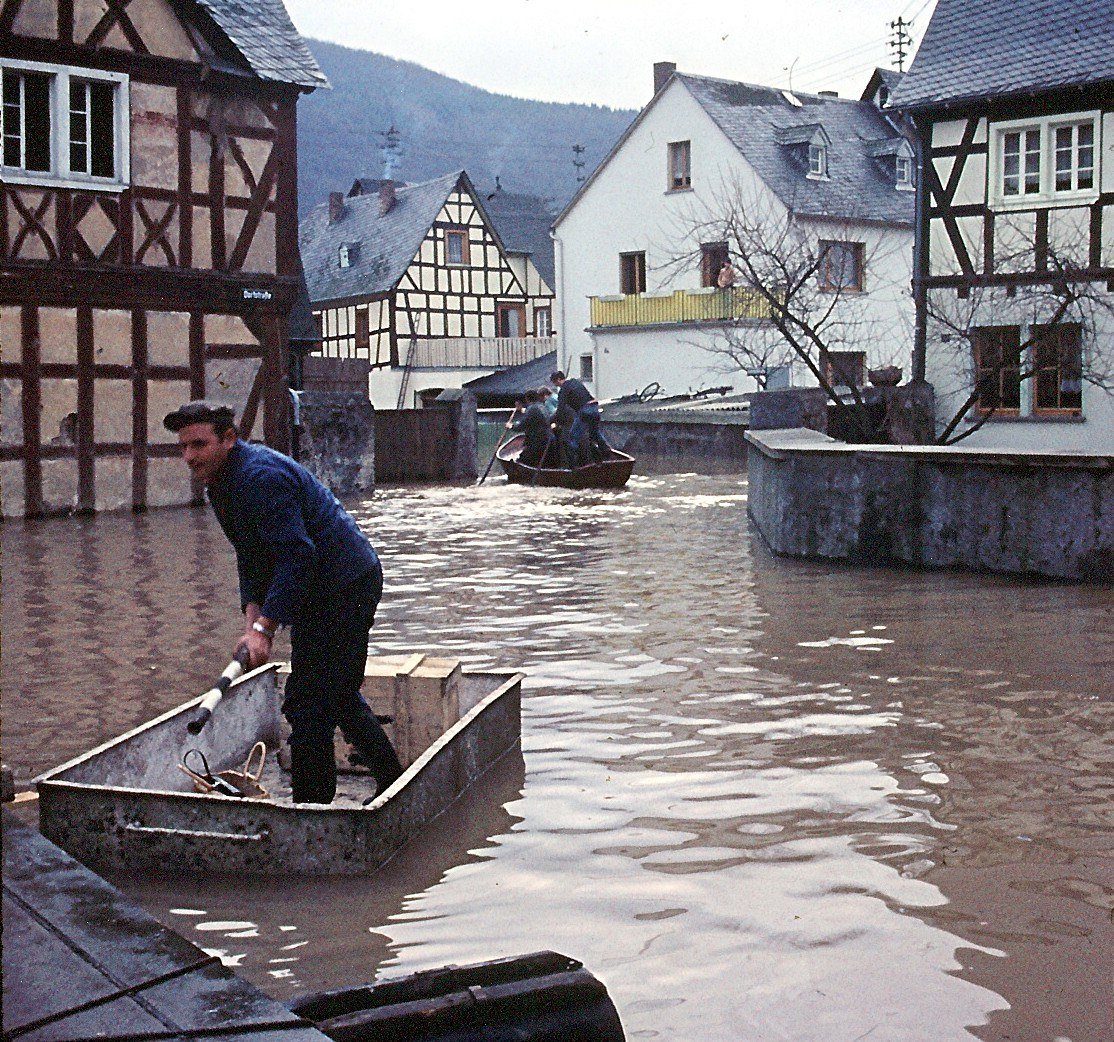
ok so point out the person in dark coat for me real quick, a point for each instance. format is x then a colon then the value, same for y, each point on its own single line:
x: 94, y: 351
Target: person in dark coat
x: 534, y: 422
x: 578, y: 412
x: 304, y: 563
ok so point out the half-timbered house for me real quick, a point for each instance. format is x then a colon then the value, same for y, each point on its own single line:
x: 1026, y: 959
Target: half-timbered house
x: 148, y: 237
x: 1013, y: 101
x: 416, y: 279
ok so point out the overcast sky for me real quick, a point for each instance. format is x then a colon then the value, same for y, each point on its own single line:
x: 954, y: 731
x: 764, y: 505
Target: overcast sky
x: 602, y: 51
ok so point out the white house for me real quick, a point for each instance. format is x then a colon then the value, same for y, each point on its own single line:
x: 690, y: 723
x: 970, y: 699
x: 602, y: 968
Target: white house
x: 637, y: 292
x: 1012, y: 101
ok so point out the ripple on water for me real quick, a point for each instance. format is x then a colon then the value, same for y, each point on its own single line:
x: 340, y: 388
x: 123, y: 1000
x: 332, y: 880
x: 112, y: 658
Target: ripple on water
x: 762, y: 798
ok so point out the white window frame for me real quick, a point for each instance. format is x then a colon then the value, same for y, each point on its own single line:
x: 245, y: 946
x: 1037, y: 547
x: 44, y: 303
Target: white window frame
x: 1046, y: 194
x: 60, y: 175
x: 543, y: 317
x: 344, y: 256
x: 903, y: 172
x: 588, y: 368
x: 817, y: 161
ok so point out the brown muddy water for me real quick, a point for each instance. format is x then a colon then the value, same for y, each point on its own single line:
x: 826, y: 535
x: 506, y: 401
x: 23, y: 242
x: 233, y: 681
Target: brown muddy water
x: 760, y: 799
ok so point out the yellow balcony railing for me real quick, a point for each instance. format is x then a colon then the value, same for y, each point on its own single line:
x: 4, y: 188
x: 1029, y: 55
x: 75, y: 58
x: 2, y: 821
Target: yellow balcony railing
x: 647, y: 309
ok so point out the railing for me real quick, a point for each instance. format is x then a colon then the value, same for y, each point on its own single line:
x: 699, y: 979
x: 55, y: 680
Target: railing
x: 495, y: 352
x: 708, y: 305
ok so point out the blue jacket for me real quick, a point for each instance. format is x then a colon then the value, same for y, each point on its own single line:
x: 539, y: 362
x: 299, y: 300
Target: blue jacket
x: 572, y: 397
x: 292, y: 537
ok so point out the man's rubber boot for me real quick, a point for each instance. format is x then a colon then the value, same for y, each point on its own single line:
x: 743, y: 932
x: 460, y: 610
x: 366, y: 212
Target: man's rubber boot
x: 373, y: 747
x: 313, y: 772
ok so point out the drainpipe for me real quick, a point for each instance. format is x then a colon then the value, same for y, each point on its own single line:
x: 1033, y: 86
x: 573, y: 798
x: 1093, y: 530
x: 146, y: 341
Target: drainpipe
x: 920, y: 260
x: 559, y: 268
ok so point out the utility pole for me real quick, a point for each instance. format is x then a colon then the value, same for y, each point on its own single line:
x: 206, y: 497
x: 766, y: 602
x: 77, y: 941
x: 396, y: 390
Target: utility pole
x: 578, y: 151
x: 900, y: 40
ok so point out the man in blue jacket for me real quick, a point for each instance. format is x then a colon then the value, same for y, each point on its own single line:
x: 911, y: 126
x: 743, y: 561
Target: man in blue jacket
x: 303, y: 563
x: 579, y: 412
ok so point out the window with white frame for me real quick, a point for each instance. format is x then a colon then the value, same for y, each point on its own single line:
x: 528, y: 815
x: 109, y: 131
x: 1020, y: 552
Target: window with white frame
x: 1045, y: 160
x: 543, y: 321
x: 903, y: 171
x: 63, y: 124
x: 817, y: 161
x: 587, y: 368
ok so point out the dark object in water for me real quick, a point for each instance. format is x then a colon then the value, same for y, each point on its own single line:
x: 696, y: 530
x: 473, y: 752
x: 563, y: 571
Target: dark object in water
x: 542, y: 997
x: 612, y: 472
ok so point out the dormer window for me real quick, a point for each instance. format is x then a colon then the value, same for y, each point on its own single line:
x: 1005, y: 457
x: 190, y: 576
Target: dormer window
x: 347, y: 254
x: 807, y: 145
x: 894, y: 157
x: 817, y: 161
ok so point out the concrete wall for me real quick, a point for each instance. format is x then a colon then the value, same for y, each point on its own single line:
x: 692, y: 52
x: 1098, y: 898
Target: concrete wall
x: 1035, y: 513
x: 336, y: 442
x: 686, y: 442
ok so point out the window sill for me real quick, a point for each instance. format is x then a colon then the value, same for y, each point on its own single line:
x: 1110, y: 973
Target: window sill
x: 1033, y: 418
x: 678, y: 191
x: 1044, y: 201
x: 50, y: 181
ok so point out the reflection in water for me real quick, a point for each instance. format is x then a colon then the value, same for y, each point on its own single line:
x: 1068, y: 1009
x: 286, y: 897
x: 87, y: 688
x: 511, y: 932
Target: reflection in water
x: 762, y: 798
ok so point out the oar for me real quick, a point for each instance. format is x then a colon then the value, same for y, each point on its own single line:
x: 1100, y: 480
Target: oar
x: 233, y: 671
x: 496, y: 452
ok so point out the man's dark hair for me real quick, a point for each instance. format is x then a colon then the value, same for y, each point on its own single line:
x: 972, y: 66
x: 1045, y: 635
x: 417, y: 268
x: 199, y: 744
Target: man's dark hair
x: 557, y: 375
x: 530, y: 396
x: 222, y: 418
x: 544, y: 392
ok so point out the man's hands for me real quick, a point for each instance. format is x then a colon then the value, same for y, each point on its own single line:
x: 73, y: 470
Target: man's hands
x: 258, y: 644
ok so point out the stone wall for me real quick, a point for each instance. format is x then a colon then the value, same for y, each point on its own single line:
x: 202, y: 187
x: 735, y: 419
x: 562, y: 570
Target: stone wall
x: 684, y: 441
x: 336, y: 440
x: 1044, y: 514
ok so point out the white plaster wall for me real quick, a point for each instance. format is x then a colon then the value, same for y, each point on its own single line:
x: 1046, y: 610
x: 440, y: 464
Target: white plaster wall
x: 629, y: 360
x: 627, y: 208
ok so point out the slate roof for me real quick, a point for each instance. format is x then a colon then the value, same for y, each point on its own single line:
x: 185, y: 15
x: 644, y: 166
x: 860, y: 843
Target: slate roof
x: 517, y: 378
x: 263, y: 34
x: 757, y: 119
x: 977, y: 49
x: 523, y: 223
x: 387, y: 244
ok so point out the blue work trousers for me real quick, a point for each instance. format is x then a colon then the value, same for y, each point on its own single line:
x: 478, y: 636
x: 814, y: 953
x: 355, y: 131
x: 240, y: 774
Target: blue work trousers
x: 328, y: 652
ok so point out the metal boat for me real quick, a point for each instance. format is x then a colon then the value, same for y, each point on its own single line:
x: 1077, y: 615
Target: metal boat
x: 613, y: 472
x: 128, y: 805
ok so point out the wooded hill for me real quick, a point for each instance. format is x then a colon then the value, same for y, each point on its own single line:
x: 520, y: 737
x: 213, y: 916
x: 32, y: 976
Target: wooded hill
x: 444, y: 125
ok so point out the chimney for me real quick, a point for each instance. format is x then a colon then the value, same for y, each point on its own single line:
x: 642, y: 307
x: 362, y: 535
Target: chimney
x: 662, y: 72
x: 386, y: 196
x: 336, y: 207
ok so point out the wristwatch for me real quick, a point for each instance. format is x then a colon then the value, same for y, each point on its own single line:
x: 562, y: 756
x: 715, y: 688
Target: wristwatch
x: 260, y: 628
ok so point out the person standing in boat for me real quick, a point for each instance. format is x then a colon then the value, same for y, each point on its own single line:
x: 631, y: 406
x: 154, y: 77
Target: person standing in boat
x: 304, y: 563
x: 579, y: 413
x: 535, y: 424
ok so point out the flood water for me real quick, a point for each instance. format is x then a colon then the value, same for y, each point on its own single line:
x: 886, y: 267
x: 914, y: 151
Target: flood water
x: 759, y: 798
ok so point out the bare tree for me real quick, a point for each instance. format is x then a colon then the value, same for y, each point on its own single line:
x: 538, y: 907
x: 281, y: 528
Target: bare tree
x: 798, y: 292
x: 1061, y: 301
